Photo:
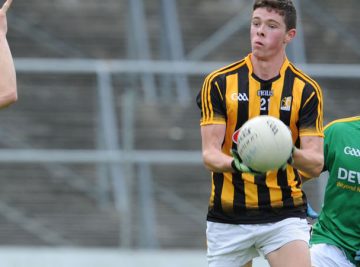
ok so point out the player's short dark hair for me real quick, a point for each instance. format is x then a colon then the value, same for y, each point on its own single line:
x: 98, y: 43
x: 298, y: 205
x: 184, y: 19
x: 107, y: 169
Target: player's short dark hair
x: 284, y: 7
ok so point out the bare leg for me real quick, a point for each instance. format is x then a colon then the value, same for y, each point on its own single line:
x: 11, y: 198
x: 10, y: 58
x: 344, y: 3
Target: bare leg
x: 295, y: 254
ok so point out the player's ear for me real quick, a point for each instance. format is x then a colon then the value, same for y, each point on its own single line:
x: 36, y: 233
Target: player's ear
x: 290, y: 35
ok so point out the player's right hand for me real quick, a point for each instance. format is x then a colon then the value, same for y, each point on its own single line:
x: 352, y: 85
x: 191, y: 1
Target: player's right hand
x: 239, y: 166
x: 357, y: 256
x: 311, y: 213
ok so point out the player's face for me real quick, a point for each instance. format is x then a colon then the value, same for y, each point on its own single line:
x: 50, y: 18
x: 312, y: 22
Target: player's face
x: 268, y: 33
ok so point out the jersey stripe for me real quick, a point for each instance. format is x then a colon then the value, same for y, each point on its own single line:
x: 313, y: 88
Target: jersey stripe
x: 242, y: 117
x: 284, y: 111
x: 218, y: 180
x: 231, y: 84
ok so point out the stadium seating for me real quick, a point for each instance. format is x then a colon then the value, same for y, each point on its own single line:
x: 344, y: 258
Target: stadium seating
x: 58, y: 204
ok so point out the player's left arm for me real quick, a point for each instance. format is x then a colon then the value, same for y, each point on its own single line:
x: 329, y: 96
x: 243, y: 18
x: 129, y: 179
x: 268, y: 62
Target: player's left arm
x: 309, y: 159
x: 8, y: 88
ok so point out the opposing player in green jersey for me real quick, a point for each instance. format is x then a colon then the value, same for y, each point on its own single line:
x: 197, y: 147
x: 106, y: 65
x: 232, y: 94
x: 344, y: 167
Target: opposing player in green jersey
x: 336, y: 235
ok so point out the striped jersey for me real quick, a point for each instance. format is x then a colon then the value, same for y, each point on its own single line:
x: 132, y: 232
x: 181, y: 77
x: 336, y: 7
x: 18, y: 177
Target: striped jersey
x: 231, y: 96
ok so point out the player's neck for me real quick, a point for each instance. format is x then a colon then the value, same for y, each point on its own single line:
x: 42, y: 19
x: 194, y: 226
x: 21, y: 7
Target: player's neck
x: 267, y: 69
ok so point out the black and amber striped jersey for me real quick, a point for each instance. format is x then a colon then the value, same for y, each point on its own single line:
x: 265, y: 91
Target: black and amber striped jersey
x: 231, y: 96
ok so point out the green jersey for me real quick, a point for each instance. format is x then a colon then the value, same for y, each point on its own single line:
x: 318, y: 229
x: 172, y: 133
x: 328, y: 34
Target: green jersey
x: 339, y: 221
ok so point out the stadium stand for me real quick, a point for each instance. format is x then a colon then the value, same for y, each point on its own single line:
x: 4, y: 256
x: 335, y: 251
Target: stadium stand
x: 62, y: 204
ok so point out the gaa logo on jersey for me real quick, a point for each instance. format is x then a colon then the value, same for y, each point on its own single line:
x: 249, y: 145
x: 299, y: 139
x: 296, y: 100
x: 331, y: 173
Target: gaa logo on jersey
x: 239, y: 97
x: 352, y: 151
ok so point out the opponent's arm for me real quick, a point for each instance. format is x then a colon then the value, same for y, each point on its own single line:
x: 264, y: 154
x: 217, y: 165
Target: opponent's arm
x: 309, y: 159
x: 8, y: 88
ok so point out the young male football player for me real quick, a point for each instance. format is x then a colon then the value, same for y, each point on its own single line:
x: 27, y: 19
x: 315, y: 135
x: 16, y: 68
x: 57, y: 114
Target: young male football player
x: 249, y: 213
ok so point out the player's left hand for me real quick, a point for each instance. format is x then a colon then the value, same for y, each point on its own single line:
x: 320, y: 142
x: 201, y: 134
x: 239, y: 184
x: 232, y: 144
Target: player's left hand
x: 357, y: 256
x: 311, y: 213
x: 239, y: 166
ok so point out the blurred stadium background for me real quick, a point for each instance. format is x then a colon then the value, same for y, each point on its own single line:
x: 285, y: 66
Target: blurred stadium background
x: 100, y: 157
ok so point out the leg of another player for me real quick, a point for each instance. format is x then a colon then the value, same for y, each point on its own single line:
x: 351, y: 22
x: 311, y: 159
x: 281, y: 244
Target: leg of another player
x: 295, y: 254
x: 249, y: 264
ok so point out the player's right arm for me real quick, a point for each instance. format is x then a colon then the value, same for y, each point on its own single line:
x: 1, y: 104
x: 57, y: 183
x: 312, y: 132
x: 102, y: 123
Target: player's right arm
x: 8, y: 88
x: 211, y: 101
x: 212, y: 137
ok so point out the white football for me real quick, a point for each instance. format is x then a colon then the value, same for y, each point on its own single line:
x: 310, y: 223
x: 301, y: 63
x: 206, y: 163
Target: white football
x: 264, y: 143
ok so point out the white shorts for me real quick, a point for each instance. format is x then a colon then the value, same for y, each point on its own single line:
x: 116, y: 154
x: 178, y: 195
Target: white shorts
x: 325, y: 255
x: 232, y: 245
